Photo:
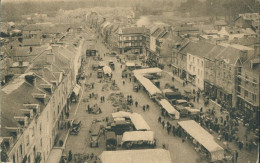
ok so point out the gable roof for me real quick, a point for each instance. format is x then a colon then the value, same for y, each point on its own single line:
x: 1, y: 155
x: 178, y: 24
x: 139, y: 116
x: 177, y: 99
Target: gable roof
x: 199, y: 48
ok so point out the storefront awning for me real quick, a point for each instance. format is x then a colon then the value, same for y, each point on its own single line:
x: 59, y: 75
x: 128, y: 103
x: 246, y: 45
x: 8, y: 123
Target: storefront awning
x: 55, y: 155
x: 76, y: 89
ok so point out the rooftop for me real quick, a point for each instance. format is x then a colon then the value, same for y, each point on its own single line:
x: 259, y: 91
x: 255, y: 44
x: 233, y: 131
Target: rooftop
x: 134, y: 30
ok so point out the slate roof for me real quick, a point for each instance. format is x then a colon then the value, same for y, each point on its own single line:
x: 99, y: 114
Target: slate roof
x: 199, y: 48
x: 14, y: 95
x: 31, y: 42
x: 133, y: 30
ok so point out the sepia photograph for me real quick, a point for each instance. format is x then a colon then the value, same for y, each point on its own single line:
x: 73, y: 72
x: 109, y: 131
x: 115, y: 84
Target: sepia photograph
x: 129, y: 81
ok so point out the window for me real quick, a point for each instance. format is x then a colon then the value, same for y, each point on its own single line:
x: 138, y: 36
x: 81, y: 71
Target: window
x: 21, y: 149
x: 189, y: 57
x: 246, y: 93
x: 198, y: 61
x: 41, y: 142
x: 202, y: 63
x: 13, y: 158
x: 254, y: 97
x: 192, y: 59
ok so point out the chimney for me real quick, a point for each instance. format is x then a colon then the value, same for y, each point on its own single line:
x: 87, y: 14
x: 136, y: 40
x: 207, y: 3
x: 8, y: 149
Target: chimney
x: 30, y: 79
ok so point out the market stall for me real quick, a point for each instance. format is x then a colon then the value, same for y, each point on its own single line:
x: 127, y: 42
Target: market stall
x: 170, y: 109
x: 130, y: 156
x: 139, y: 123
x: 204, y: 138
x: 148, y: 85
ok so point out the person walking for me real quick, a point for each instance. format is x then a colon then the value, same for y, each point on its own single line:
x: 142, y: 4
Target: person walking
x: 159, y: 119
x: 144, y: 108
x: 136, y: 103
x: 147, y: 107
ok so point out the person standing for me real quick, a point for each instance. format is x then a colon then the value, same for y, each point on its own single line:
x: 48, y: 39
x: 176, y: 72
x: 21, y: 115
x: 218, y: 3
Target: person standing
x: 236, y: 156
x: 70, y: 156
x: 136, y: 103
x: 144, y: 108
x: 163, y: 123
x: 147, y: 107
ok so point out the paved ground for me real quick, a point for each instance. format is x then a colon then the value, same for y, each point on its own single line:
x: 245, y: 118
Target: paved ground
x: 180, y: 152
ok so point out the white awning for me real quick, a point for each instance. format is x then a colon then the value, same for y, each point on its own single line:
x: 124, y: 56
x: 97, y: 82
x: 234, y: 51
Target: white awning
x: 121, y: 114
x: 169, y: 108
x: 139, y: 122
x: 76, y: 89
x: 149, y: 86
x: 55, y: 155
x: 138, y: 136
x: 147, y: 71
x: 130, y: 64
x: 133, y: 156
x: 204, y: 138
x: 107, y: 70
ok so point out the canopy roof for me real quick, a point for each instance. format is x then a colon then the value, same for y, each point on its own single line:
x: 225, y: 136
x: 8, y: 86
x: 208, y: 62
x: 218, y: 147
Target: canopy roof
x: 149, y: 86
x: 121, y: 114
x: 139, y: 122
x: 169, y: 108
x: 147, y: 71
x: 133, y: 156
x: 200, y: 135
x: 76, y: 89
x: 130, y: 64
x: 138, y: 135
x: 55, y: 155
x: 107, y: 70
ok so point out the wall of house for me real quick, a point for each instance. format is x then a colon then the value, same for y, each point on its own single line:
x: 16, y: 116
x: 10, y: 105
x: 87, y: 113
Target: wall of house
x: 195, y: 66
x: 249, y: 88
x: 153, y: 44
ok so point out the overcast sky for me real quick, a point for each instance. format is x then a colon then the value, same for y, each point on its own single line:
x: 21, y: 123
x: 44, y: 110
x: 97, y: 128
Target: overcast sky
x: 31, y: 0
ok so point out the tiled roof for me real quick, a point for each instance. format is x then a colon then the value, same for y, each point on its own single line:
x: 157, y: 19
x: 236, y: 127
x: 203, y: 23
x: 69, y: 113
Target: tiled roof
x: 133, y: 30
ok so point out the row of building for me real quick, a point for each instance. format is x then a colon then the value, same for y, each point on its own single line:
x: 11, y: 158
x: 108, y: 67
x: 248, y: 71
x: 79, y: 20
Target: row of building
x: 219, y: 58
x: 36, y: 93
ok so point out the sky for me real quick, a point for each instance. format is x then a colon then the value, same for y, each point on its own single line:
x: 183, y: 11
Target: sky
x: 3, y: 1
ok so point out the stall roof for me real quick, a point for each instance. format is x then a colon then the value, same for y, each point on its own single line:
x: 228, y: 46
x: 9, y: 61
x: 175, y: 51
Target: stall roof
x: 147, y: 71
x: 107, y: 70
x: 130, y: 64
x: 200, y: 135
x: 133, y: 156
x: 149, y: 86
x: 138, y: 135
x: 76, y: 89
x: 169, y: 108
x: 121, y: 114
x: 55, y: 155
x: 139, y: 122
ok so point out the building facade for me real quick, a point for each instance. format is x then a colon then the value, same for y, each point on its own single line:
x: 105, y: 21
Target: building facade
x: 132, y: 39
